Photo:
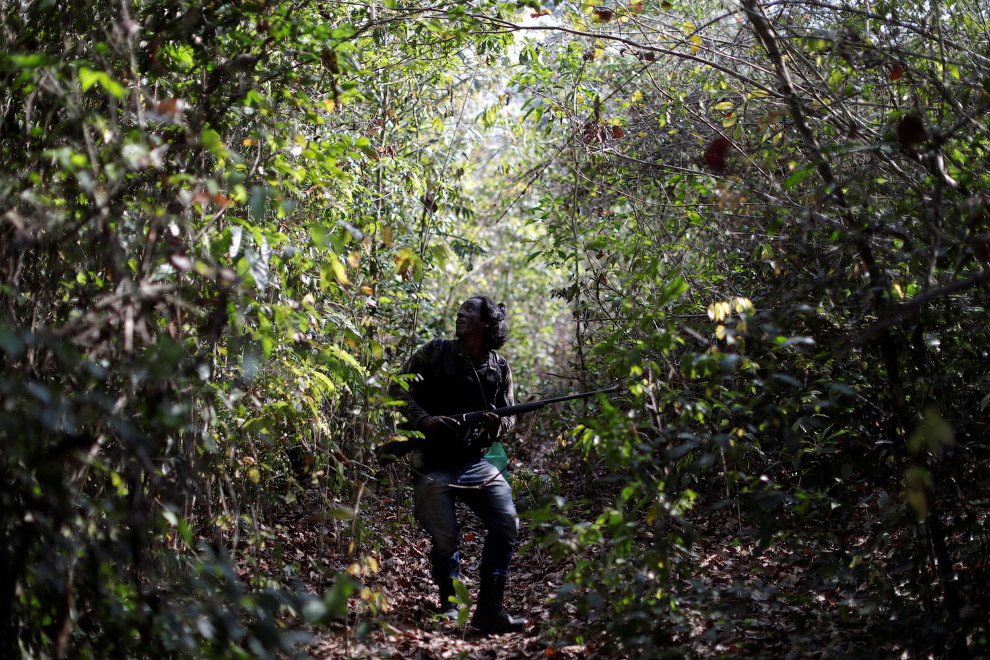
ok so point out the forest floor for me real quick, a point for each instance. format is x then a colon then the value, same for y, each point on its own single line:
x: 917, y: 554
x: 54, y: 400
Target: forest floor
x: 737, y: 603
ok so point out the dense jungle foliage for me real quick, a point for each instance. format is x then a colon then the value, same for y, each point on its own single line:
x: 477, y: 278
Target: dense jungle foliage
x: 224, y: 225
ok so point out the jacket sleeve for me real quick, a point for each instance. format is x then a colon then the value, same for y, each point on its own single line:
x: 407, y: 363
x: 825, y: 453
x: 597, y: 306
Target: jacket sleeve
x: 505, y: 398
x: 418, y: 365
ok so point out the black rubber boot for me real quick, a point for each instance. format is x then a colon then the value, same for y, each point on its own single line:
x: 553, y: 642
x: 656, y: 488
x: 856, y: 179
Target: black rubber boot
x: 490, y: 616
x: 448, y: 608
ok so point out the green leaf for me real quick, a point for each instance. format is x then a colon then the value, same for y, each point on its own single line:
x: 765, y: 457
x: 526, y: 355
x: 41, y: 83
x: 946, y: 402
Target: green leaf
x: 933, y: 434
x: 344, y: 356
x: 463, y: 598
x: 88, y: 78
x: 798, y: 176
x: 258, y: 200
x: 212, y: 142
x: 10, y: 342
x: 29, y: 61
x: 671, y: 291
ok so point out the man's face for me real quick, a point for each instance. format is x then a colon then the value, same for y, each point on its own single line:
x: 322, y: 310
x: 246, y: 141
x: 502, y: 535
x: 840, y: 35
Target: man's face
x: 469, y: 319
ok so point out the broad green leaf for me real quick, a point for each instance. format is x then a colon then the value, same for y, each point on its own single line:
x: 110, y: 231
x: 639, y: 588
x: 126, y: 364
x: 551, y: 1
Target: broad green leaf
x: 798, y: 176
x: 258, y: 201
x: 88, y: 77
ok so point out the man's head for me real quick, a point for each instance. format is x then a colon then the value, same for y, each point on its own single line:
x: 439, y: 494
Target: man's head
x: 480, y: 315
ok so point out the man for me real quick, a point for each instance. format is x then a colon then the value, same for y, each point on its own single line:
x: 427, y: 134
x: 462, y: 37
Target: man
x: 454, y: 377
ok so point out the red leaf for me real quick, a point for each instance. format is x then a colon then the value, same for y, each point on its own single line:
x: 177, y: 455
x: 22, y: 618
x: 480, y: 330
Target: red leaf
x: 617, y: 133
x: 715, y: 154
x: 897, y: 72
x: 602, y: 14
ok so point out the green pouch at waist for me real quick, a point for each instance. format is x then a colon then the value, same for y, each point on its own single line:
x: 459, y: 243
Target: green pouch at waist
x: 496, y: 456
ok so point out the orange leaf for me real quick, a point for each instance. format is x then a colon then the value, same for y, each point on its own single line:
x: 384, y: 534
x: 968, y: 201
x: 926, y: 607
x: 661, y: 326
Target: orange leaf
x: 897, y: 72
x: 171, y: 109
x: 537, y: 14
x: 617, y: 133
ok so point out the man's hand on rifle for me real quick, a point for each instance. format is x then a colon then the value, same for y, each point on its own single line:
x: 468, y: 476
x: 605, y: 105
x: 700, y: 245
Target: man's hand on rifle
x: 491, y: 423
x: 442, y: 428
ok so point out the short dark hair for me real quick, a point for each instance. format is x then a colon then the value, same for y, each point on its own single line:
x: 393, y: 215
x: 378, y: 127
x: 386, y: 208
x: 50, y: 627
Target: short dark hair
x: 498, y: 324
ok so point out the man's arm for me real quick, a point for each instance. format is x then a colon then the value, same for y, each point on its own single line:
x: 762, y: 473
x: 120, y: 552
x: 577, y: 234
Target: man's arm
x: 504, y: 399
x: 418, y: 366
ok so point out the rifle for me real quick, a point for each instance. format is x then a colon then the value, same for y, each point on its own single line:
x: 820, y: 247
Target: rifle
x: 396, y: 449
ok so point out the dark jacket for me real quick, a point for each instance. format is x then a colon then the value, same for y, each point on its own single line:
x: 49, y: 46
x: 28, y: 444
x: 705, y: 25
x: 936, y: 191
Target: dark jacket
x: 448, y: 382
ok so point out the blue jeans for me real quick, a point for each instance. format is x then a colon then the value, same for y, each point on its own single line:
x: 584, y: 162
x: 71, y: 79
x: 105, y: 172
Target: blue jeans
x: 485, y: 491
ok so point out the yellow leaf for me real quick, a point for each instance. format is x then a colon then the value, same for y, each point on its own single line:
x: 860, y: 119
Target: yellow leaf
x: 725, y: 105
x: 730, y: 119
x: 248, y: 142
x: 742, y: 304
x: 696, y: 44
x: 254, y: 475
x: 354, y: 259
x: 339, y: 272
x: 719, y: 311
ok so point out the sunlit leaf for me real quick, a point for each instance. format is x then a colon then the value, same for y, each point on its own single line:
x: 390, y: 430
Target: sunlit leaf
x: 339, y: 271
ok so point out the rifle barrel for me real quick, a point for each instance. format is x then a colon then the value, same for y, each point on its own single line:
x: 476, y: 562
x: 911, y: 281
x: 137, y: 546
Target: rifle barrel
x: 532, y: 405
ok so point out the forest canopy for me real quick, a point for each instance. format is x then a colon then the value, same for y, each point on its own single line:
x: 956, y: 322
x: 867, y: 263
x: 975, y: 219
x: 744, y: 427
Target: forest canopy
x: 223, y: 227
